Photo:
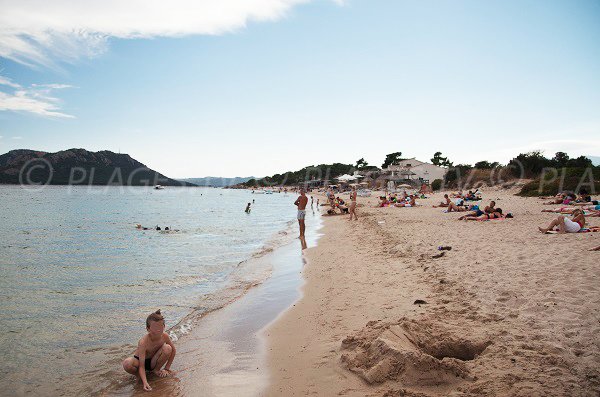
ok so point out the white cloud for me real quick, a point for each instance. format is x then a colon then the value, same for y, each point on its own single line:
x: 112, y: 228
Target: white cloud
x: 36, y: 99
x: 41, y: 32
x: 8, y: 82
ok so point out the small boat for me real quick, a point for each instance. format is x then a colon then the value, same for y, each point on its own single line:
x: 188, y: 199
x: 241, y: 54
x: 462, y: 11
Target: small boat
x: 159, y: 187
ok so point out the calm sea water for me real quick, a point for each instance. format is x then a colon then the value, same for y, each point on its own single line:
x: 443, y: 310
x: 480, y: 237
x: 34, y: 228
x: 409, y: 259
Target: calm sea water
x: 78, y: 279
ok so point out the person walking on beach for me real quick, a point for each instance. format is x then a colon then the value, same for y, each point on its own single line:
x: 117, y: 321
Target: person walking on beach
x: 248, y: 208
x: 352, y: 208
x: 301, y: 202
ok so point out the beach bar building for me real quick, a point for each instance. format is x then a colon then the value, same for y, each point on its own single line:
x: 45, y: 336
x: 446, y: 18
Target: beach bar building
x: 415, y: 170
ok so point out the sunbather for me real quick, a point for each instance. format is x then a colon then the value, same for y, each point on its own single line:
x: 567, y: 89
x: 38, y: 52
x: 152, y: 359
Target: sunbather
x: 593, y: 202
x: 410, y: 203
x: 558, y: 199
x: 497, y: 214
x: 453, y: 207
x: 477, y: 212
x: 383, y: 202
x: 566, y: 225
x: 444, y: 203
x: 583, y: 197
x: 568, y: 199
x: 592, y: 209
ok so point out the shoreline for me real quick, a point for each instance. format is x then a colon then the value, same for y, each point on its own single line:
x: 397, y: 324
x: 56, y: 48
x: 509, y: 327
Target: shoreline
x: 356, y: 330
x: 223, y: 354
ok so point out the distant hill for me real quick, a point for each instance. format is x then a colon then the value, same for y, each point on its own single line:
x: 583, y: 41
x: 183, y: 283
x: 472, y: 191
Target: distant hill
x: 216, y: 181
x: 78, y: 167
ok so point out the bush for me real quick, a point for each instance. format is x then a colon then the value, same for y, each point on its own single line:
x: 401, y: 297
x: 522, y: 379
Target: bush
x: 574, y: 180
x: 486, y: 165
x: 457, y: 173
x: 436, y: 185
x: 531, y: 164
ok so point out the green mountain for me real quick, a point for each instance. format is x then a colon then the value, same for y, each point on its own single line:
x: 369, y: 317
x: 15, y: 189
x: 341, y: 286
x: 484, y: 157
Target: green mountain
x: 78, y: 167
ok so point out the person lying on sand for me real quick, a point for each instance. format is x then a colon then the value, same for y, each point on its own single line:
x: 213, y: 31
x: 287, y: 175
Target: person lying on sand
x: 477, y: 212
x: 497, y: 214
x: 594, y: 210
x: 567, y: 199
x: 596, y: 248
x: 593, y: 202
x: 558, y: 199
x: 410, y: 203
x: 154, y: 350
x: 444, y: 203
x: 556, y: 196
x: 383, y: 202
x: 583, y: 197
x: 453, y: 207
x: 566, y: 225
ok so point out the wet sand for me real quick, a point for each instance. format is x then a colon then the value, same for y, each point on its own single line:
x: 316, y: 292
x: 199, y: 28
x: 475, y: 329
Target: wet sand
x: 509, y: 311
x: 224, y: 353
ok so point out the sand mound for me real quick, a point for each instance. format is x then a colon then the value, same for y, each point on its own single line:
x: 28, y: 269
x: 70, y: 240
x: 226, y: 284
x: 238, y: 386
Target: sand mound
x: 411, y: 352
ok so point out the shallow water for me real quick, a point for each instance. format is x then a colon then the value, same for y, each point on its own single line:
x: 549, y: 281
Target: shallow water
x: 77, y: 279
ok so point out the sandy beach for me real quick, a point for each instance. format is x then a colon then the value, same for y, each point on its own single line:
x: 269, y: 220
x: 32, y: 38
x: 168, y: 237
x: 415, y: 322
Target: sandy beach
x: 509, y: 311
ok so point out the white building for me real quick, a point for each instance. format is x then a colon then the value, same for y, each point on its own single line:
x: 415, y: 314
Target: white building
x: 416, y: 170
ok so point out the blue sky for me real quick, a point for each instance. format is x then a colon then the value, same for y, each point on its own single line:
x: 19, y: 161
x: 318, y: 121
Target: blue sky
x: 265, y: 86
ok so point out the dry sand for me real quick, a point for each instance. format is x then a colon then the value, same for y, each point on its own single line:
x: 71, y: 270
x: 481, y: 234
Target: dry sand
x: 509, y: 312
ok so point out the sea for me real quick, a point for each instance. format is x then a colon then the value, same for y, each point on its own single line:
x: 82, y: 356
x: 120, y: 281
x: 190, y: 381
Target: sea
x: 78, y: 276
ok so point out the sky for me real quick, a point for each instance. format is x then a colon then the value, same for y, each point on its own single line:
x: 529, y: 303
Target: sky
x: 256, y: 87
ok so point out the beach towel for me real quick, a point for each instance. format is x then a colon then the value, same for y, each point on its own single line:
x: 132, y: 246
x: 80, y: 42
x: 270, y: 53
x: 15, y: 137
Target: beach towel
x: 592, y: 229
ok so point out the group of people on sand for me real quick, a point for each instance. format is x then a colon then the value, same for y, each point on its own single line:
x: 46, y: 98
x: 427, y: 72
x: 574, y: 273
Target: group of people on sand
x: 337, y: 203
x: 469, y: 196
x: 488, y: 213
x: 570, y: 198
x: 402, y: 200
x: 578, y: 207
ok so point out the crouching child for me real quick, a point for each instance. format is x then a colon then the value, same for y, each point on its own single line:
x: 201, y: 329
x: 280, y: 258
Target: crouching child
x: 154, y: 351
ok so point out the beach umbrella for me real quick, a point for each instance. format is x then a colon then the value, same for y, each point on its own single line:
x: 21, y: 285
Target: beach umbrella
x: 345, y: 177
x: 405, y: 186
